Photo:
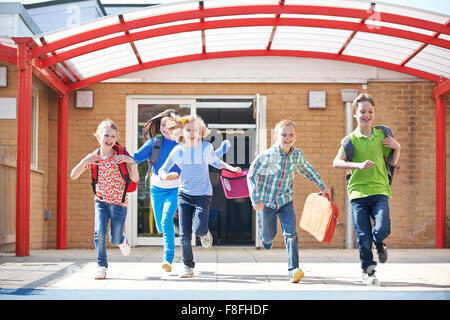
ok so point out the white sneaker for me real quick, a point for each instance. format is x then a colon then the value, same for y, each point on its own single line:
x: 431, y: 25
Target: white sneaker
x: 125, y: 246
x: 101, y: 273
x: 369, y: 277
x: 187, y: 273
x: 207, y: 240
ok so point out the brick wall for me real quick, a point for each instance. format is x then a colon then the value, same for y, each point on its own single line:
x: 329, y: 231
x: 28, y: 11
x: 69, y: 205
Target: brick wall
x: 42, y: 232
x: 406, y: 107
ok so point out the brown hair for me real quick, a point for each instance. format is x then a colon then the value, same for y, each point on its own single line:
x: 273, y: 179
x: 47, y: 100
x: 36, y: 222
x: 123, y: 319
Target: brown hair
x: 176, y: 124
x: 361, y: 98
x: 153, y: 126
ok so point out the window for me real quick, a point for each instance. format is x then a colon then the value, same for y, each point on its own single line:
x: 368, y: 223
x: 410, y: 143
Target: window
x: 34, y: 128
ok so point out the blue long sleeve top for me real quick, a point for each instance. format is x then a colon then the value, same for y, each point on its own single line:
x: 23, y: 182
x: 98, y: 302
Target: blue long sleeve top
x: 194, y: 163
x: 145, y: 152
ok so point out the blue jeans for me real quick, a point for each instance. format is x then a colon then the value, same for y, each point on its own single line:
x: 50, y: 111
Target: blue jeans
x: 374, y: 207
x: 103, y: 213
x: 164, y: 203
x: 267, y: 222
x: 193, y: 216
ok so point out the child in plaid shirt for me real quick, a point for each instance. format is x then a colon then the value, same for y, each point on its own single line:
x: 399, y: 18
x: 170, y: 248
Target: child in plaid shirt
x: 271, y: 186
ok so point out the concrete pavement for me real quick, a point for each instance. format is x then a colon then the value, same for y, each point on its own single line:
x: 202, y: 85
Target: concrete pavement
x: 223, y: 273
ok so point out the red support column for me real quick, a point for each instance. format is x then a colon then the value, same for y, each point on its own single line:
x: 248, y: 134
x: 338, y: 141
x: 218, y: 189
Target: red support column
x: 62, y: 172
x: 23, y: 147
x: 440, y: 172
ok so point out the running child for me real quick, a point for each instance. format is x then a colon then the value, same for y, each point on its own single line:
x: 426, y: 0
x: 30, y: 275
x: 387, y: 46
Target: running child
x: 368, y: 187
x: 192, y: 156
x: 271, y: 186
x: 164, y: 192
x: 108, y: 199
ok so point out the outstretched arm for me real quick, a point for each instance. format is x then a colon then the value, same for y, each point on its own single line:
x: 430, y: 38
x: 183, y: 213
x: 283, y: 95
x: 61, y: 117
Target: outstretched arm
x: 339, y: 162
x: 83, y: 165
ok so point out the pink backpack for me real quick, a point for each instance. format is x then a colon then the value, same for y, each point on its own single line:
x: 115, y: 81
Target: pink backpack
x: 234, y: 184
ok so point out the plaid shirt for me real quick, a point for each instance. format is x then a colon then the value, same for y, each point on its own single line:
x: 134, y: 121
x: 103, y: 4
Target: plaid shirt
x: 271, y: 176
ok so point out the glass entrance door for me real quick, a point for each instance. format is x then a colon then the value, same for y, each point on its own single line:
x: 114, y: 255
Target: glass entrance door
x: 143, y: 225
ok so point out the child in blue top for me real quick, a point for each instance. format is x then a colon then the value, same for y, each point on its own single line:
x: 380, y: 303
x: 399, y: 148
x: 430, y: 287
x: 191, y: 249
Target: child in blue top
x: 192, y: 156
x: 164, y: 193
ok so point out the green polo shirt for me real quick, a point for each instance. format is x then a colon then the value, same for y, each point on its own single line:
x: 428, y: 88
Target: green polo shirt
x: 374, y: 180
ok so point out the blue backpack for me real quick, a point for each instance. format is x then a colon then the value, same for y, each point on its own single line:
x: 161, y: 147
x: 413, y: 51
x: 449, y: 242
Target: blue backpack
x: 350, y: 151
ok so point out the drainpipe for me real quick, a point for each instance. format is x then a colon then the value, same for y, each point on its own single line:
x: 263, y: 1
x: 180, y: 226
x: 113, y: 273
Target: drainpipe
x: 348, y: 95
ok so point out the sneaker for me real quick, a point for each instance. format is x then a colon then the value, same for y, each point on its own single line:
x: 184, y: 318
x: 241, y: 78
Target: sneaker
x: 101, y: 273
x: 296, y: 275
x: 125, y: 246
x: 369, y: 277
x: 187, y: 273
x: 381, y: 252
x: 167, y: 266
x: 207, y: 240
x: 267, y: 245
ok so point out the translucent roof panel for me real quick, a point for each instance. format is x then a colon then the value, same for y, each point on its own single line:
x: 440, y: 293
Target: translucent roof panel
x: 309, y: 39
x: 105, y: 60
x: 379, y: 47
x: 245, y: 38
x: 173, y: 45
x: 392, y: 35
x: 432, y: 59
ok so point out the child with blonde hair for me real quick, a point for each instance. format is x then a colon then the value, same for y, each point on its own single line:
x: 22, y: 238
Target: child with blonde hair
x: 192, y: 156
x: 110, y: 203
x: 164, y: 192
x: 271, y: 186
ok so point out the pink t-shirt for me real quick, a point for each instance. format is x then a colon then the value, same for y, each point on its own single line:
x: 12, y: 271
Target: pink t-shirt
x: 110, y: 185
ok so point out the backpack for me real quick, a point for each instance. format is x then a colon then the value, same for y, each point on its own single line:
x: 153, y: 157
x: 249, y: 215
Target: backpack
x: 130, y: 185
x: 350, y: 151
x: 156, y: 151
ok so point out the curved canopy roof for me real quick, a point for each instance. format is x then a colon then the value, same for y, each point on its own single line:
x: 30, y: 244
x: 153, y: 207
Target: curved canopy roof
x: 402, y: 39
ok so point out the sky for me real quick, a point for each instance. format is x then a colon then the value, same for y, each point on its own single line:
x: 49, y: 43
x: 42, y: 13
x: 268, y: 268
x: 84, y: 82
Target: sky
x: 439, y: 6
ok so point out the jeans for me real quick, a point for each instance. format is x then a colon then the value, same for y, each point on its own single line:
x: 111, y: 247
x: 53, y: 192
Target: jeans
x: 374, y: 207
x: 103, y: 213
x: 193, y: 216
x: 164, y: 203
x: 267, y: 222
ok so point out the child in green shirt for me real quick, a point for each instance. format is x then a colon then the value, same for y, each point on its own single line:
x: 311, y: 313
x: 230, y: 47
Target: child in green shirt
x: 368, y: 186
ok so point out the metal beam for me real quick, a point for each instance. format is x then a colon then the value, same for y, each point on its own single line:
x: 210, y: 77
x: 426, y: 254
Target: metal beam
x: 251, y: 53
x: 442, y: 89
x: 62, y: 172
x: 23, y: 147
x: 230, y: 11
x: 440, y: 172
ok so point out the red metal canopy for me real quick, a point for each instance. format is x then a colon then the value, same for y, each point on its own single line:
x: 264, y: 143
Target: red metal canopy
x: 397, y: 38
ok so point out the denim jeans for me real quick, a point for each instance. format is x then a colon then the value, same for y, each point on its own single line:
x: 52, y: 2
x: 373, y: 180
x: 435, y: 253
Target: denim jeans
x: 103, y: 213
x: 374, y: 207
x: 193, y: 216
x: 164, y: 203
x: 267, y: 222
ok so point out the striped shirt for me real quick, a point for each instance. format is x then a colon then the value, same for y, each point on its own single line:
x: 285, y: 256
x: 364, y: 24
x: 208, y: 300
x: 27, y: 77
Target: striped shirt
x: 271, y: 176
x: 194, y: 164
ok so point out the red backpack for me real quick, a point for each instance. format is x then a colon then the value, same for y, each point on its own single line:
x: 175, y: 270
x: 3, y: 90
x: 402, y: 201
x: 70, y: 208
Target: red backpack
x: 130, y: 185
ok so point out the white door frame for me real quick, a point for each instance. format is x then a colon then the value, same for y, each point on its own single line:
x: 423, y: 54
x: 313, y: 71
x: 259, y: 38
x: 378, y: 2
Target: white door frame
x: 131, y: 143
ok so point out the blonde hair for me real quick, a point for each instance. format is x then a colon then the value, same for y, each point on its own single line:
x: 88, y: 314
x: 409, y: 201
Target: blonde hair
x: 361, y: 98
x: 108, y: 123
x: 176, y: 124
x: 284, y: 123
